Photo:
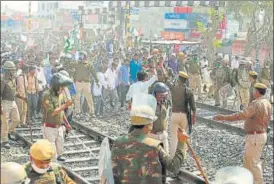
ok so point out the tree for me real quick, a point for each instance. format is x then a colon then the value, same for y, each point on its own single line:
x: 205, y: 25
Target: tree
x: 259, y: 15
x: 209, y: 32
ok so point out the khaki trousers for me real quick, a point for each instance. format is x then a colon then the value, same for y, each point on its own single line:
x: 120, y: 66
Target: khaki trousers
x: 56, y: 137
x: 4, y: 128
x: 254, y: 145
x: 22, y: 108
x: 195, y: 82
x: 85, y: 88
x: 12, y: 113
x: 177, y: 120
x: 244, y: 94
x: 161, y: 137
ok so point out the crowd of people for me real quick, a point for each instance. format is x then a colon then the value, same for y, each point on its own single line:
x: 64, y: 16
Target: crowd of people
x: 53, y: 86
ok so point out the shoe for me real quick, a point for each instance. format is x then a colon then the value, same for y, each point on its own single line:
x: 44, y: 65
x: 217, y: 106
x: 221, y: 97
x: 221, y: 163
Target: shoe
x: 61, y: 159
x: 12, y: 136
x: 5, y: 145
x: 217, y: 105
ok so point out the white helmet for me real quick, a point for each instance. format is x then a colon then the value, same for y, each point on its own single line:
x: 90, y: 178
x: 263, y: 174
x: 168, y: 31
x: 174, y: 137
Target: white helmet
x: 12, y: 172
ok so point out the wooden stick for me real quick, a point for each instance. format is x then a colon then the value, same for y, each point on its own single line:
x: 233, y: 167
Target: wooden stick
x: 198, y: 163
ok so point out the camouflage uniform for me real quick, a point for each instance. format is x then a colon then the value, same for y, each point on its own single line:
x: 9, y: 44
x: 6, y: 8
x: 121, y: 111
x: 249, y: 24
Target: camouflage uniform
x: 222, y: 78
x: 243, y: 85
x: 55, y: 175
x: 251, y: 90
x: 138, y: 159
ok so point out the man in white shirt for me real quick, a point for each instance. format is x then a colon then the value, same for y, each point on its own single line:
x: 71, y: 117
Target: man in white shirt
x: 111, y: 78
x: 97, y: 92
x: 141, y: 86
x: 42, y: 84
x: 235, y: 63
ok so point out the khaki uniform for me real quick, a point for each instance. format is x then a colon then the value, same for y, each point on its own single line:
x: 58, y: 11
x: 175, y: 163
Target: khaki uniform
x: 195, y: 80
x: 52, y: 176
x: 21, y: 104
x: 243, y: 86
x: 257, y: 117
x: 179, y: 112
x: 52, y: 127
x: 10, y: 110
x: 83, y: 84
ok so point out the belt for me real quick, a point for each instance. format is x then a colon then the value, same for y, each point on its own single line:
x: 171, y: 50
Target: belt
x: 255, y: 132
x: 82, y: 81
x: 51, y: 125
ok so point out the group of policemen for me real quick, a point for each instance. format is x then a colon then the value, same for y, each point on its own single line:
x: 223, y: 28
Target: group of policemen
x: 141, y: 156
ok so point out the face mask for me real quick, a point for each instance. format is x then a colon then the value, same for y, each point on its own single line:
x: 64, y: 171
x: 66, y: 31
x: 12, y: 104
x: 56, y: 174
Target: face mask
x: 38, y: 170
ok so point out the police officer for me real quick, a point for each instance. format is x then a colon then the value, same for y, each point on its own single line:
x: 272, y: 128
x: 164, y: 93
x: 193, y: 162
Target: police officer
x: 182, y: 103
x: 8, y: 105
x: 222, y: 79
x: 40, y: 169
x: 13, y: 173
x: 181, y: 62
x: 83, y: 82
x: 136, y: 158
x: 54, y: 116
x: 194, y: 71
x: 243, y: 84
x: 253, y: 80
x: 160, y: 125
x: 257, y: 117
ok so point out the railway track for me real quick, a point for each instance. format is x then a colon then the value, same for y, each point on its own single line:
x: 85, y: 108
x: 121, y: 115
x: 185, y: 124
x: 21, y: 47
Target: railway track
x: 205, y: 113
x: 81, y: 150
x: 82, y: 146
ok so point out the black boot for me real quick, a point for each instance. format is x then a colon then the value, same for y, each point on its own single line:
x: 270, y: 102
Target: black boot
x: 12, y: 136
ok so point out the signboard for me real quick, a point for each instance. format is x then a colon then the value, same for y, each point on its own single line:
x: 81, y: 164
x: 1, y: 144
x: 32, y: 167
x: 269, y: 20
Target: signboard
x: 175, y: 24
x: 175, y: 16
x: 75, y: 15
x: 172, y: 36
x: 134, y: 13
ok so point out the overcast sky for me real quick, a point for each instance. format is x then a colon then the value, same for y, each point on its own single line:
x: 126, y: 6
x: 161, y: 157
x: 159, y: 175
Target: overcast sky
x: 20, y: 5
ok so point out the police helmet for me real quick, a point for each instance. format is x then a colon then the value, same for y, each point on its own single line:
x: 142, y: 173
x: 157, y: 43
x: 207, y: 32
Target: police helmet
x: 12, y: 172
x: 60, y: 80
x: 64, y: 72
x: 9, y: 65
x: 160, y: 87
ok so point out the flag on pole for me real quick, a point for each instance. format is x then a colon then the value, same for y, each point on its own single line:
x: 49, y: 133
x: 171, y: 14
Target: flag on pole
x: 67, y: 45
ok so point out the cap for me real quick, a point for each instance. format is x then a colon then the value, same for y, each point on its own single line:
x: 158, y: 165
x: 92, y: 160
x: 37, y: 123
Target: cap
x: 183, y: 74
x: 260, y: 86
x: 253, y: 73
x: 42, y: 150
x: 143, y: 109
x: 181, y: 54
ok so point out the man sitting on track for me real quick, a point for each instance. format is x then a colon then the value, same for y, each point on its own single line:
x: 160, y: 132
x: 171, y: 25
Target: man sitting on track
x: 40, y: 169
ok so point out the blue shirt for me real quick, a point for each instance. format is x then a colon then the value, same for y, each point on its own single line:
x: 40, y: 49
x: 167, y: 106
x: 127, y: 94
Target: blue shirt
x: 135, y: 67
x: 124, y: 75
x: 72, y: 90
